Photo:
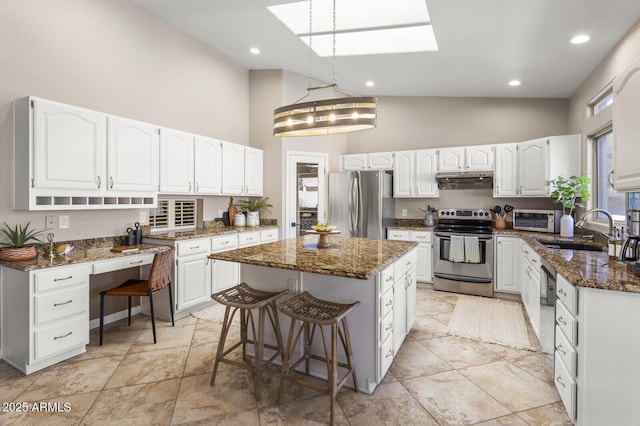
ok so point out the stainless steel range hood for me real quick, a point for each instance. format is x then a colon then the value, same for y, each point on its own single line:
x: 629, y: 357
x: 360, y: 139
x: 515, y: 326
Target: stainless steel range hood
x: 465, y: 180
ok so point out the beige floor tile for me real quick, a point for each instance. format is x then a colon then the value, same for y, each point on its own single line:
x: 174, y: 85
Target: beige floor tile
x: 433, y: 306
x: 554, y: 414
x: 459, y: 352
x: 539, y: 365
x: 198, y: 400
x: 454, y: 400
x: 167, y: 337
x: 116, y: 342
x: 313, y: 411
x: 66, y: 410
x: 390, y: 404
x: 201, y: 359
x: 243, y: 418
x: 506, y: 352
x: 512, y: 420
x: 415, y: 360
x: 70, y: 378
x: 146, y: 404
x: 147, y: 367
x: 426, y: 327
x: 510, y: 385
x: 13, y: 382
x: 207, y: 332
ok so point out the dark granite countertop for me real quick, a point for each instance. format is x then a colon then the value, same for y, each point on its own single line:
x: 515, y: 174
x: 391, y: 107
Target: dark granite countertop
x: 206, y: 232
x: 359, y: 258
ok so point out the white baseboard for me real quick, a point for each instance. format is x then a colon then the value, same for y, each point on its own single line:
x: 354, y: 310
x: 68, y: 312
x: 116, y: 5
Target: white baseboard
x: 116, y: 316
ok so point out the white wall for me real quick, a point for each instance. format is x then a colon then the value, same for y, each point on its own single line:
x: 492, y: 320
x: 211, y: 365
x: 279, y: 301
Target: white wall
x: 111, y: 56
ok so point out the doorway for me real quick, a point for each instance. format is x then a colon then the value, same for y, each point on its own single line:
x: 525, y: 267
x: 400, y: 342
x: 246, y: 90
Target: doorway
x: 305, y: 191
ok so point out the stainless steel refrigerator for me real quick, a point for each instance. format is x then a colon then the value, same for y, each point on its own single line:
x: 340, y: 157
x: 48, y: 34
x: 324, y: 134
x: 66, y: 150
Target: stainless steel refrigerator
x: 361, y: 203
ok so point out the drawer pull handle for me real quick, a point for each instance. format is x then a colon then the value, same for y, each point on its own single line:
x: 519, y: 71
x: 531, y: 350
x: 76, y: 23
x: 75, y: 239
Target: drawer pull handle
x: 224, y: 242
x: 389, y: 354
x: 560, y: 381
x: 390, y: 278
x: 136, y: 262
x: 63, y: 303
x: 63, y: 279
x: 562, y: 292
x: 389, y: 303
x: 62, y: 337
x: 561, y: 350
x: 194, y: 247
x: 389, y: 327
x: 562, y: 320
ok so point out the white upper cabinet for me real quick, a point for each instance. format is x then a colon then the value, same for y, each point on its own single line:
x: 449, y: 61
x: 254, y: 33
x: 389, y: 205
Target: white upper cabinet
x: 414, y: 173
x: 176, y: 162
x: 451, y: 159
x: 133, y: 155
x: 354, y: 162
x: 253, y: 171
x: 533, y: 167
x: 380, y: 161
x: 626, y: 125
x: 232, y: 169
x: 505, y: 177
x: 470, y: 158
x: 426, y: 168
x: 404, y: 171
x: 70, y: 146
x: 207, y: 165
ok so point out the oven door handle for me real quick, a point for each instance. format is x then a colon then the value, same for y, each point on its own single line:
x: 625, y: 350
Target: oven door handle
x: 463, y: 279
x: 448, y: 236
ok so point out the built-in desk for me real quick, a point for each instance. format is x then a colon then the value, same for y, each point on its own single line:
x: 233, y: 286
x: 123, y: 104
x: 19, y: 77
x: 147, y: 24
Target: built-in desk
x: 45, y: 304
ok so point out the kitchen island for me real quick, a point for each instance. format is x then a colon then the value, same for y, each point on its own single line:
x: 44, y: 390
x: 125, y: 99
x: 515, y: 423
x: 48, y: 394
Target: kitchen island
x: 378, y: 273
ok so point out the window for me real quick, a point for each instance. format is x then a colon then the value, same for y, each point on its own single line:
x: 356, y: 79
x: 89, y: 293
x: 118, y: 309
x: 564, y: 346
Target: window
x: 605, y: 197
x: 602, y: 101
x: 173, y: 215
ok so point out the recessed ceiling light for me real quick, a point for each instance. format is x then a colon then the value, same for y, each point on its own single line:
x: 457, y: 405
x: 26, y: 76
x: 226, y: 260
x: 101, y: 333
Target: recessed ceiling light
x: 254, y: 51
x: 579, y: 39
x: 370, y: 83
x: 515, y: 83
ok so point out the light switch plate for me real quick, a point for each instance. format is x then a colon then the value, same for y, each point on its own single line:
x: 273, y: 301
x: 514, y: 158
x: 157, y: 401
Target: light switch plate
x: 64, y: 221
x: 143, y: 218
x: 51, y: 222
x: 404, y: 212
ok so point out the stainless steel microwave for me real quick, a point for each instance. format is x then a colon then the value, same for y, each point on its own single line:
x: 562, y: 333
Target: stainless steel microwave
x: 537, y: 220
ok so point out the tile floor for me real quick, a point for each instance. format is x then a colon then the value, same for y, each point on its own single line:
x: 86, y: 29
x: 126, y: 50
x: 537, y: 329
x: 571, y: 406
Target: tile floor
x: 436, y: 379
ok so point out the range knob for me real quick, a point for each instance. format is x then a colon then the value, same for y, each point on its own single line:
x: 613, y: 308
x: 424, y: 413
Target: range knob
x: 475, y: 213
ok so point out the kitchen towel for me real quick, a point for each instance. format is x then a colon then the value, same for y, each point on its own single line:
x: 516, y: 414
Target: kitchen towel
x: 456, y: 249
x: 471, y: 250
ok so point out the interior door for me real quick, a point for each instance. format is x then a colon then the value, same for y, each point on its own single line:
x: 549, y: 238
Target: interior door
x: 306, y: 192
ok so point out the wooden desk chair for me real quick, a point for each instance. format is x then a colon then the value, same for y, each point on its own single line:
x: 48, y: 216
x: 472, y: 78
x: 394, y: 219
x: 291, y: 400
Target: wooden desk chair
x: 159, y: 277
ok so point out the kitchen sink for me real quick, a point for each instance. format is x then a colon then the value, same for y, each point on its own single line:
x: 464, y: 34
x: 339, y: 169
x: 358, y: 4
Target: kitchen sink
x: 567, y: 245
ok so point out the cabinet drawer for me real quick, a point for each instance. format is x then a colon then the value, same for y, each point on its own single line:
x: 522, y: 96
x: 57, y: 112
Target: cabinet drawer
x: 567, y: 294
x: 226, y: 242
x: 532, y: 257
x: 386, y: 303
x: 403, y: 264
x: 55, y: 305
x: 268, y: 235
x: 51, y: 340
x: 566, y: 352
x: 567, y: 322
x: 397, y: 235
x: 421, y: 236
x: 387, y: 280
x: 386, y: 326
x: 122, y: 263
x: 188, y: 248
x: 62, y: 277
x: 246, y: 239
x: 386, y: 355
x: 566, y: 387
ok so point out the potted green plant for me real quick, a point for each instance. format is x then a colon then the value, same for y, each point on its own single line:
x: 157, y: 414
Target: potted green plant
x: 566, y: 191
x: 253, y: 209
x: 18, y: 247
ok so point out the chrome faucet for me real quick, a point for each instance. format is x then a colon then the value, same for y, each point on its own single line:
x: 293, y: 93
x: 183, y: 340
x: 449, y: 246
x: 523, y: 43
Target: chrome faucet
x: 588, y: 212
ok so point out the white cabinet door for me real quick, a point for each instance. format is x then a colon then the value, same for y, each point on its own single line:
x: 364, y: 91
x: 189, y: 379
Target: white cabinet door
x: 424, y: 268
x: 451, y: 159
x: 505, y: 177
x: 533, y: 167
x: 479, y: 157
x: 253, y: 171
x: 411, y: 298
x: 626, y: 104
x: 133, y: 155
x: 224, y: 274
x: 354, y: 162
x: 403, y: 173
x: 70, y: 147
x: 507, y: 267
x: 380, y: 161
x: 176, y: 162
x: 232, y: 169
x: 194, y: 281
x: 399, y: 312
x: 207, y: 163
x: 426, y: 161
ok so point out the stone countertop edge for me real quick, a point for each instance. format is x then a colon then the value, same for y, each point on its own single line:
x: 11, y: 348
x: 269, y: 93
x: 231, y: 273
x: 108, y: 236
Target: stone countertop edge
x: 206, y: 232
x: 411, y: 227
x: 79, y: 256
x: 358, y: 258
x: 590, y: 269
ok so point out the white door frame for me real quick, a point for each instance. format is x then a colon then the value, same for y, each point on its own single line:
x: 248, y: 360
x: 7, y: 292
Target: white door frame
x: 291, y: 187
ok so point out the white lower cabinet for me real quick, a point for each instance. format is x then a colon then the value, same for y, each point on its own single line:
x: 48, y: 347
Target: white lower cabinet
x: 508, y: 276
x: 224, y: 274
x: 530, y: 292
x: 193, y: 275
x: 566, y: 343
x: 424, y: 262
x: 45, y: 315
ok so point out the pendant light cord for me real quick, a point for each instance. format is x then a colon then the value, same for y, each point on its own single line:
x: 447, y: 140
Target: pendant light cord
x: 333, y: 70
x: 310, y: 45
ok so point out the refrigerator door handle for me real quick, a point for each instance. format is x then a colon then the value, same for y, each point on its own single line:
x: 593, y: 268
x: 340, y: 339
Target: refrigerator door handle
x: 353, y: 205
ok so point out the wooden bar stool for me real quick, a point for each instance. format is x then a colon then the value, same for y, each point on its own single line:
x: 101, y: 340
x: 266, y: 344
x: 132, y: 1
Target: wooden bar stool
x: 315, y: 313
x: 245, y: 299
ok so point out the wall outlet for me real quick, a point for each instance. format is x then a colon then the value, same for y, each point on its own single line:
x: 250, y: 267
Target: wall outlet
x: 143, y: 218
x: 219, y: 213
x: 64, y: 222
x: 404, y: 212
x: 51, y: 222
x: 292, y: 284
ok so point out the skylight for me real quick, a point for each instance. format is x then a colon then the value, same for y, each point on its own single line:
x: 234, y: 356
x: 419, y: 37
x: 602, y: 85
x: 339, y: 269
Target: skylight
x: 363, y: 27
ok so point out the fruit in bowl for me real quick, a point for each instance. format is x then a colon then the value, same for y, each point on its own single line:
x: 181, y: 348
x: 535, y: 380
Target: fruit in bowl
x: 323, y: 227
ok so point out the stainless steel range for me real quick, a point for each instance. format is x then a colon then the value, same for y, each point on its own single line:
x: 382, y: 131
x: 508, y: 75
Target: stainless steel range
x: 463, y: 252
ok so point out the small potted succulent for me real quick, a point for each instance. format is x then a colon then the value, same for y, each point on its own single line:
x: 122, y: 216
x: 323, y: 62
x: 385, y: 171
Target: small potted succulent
x: 253, y: 209
x: 18, y: 247
x: 566, y: 191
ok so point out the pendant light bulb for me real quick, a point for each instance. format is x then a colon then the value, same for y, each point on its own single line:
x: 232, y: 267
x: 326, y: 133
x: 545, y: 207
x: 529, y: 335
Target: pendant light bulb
x: 310, y: 119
